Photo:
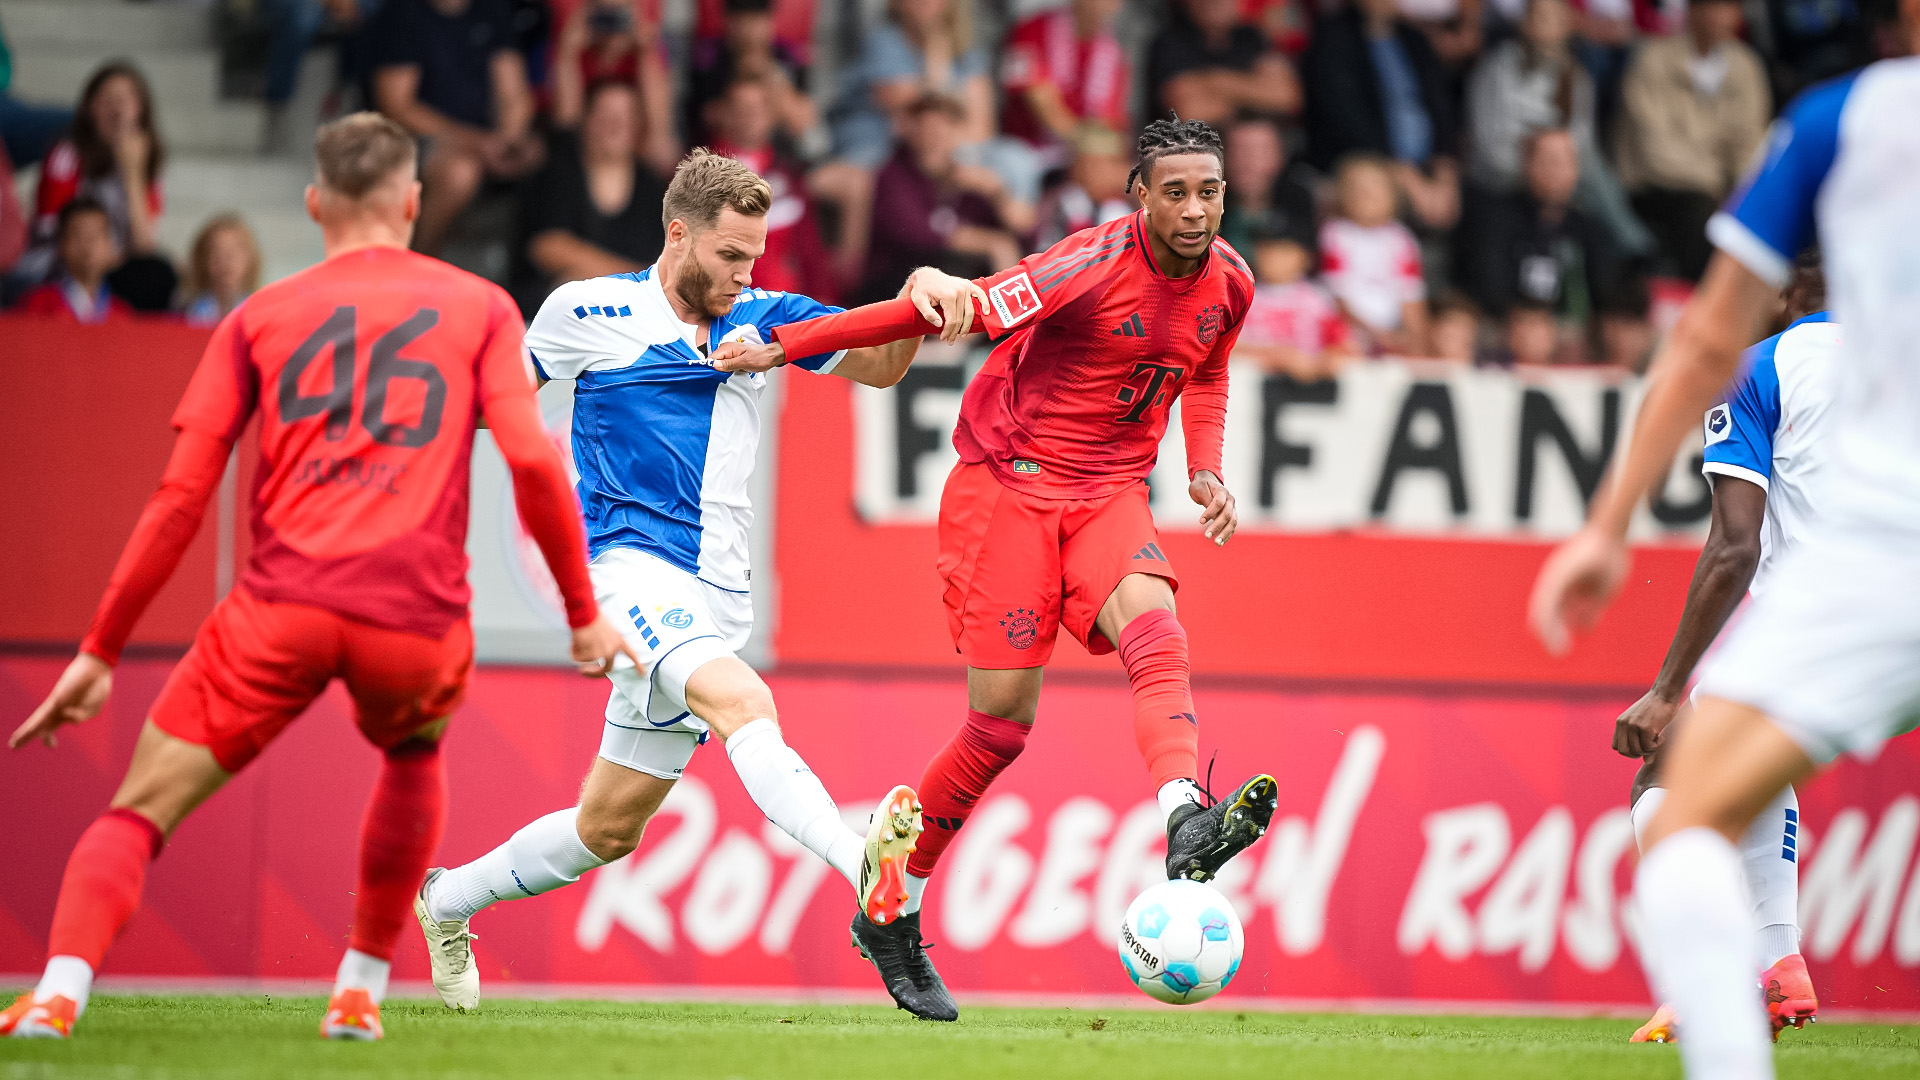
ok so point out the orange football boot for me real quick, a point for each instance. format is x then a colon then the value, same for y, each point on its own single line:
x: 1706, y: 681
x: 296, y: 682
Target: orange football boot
x: 1789, y: 992
x: 49, y: 1019
x: 1660, y: 1028
x: 352, y: 1014
x: 891, y: 835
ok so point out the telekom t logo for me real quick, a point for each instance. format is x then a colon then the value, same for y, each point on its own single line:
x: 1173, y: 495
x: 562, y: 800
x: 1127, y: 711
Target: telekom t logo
x: 1146, y: 397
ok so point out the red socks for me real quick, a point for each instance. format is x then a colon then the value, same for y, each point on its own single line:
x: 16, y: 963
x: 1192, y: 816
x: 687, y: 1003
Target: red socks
x: 399, y: 834
x: 1153, y: 648
x: 102, y: 885
x: 956, y: 778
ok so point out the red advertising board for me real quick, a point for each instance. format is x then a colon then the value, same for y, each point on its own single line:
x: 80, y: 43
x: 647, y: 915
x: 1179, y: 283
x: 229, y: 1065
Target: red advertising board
x: 1436, y: 848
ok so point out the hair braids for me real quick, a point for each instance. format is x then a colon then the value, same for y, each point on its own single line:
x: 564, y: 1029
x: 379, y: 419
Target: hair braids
x: 1164, y: 138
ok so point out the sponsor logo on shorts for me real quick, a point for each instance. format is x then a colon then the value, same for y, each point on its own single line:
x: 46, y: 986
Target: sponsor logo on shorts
x: 1022, y: 465
x: 1014, y: 299
x: 1022, y: 627
x: 678, y: 618
x: 1210, y: 322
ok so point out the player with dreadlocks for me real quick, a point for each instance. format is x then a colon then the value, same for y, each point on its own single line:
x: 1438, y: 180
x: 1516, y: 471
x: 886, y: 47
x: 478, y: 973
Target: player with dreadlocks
x: 1044, y: 522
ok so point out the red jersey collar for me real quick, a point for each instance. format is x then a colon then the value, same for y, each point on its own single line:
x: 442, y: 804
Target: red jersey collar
x: 1138, y: 223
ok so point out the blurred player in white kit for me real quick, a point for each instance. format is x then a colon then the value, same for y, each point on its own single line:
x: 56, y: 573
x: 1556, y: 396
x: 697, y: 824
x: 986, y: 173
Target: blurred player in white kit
x: 1828, y: 661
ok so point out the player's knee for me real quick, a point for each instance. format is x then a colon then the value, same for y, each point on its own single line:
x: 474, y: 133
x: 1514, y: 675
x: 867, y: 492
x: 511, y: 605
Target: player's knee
x: 1008, y: 694
x: 728, y: 695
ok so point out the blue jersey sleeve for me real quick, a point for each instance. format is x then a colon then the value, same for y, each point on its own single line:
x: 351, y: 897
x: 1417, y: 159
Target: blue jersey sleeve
x: 1769, y: 218
x: 766, y: 310
x: 1739, y: 430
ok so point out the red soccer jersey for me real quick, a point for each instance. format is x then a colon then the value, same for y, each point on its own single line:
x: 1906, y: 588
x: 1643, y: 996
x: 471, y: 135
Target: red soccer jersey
x: 1074, y: 402
x: 368, y: 371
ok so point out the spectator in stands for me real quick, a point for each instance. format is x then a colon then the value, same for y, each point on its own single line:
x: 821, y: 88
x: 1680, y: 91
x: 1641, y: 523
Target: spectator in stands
x: 223, y: 270
x: 603, y: 40
x: 930, y: 210
x: 13, y: 221
x: 1815, y: 40
x: 1375, y: 86
x: 1695, y: 107
x: 1454, y: 27
x: 594, y: 208
x: 796, y: 260
x: 293, y: 25
x: 113, y: 155
x: 1371, y: 262
x: 1537, y: 246
x: 748, y: 49
x: 1287, y: 24
x: 87, y: 252
x: 1094, y: 192
x: 1604, y: 32
x: 1456, y: 330
x: 923, y: 47
x: 1263, y: 194
x: 1063, y: 69
x: 1532, y: 83
x: 1293, y: 327
x: 27, y: 130
x: 450, y: 72
x: 1532, y: 337
x: 1208, y: 65
x: 1624, y: 338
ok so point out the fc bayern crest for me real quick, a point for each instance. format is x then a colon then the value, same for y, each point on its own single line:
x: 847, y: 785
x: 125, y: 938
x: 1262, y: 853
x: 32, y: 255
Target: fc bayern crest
x: 1023, y: 628
x: 1210, y: 322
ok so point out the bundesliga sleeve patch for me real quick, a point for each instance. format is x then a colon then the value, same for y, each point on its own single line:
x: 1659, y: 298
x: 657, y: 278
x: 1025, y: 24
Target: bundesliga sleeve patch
x: 1719, y: 423
x: 1014, y: 299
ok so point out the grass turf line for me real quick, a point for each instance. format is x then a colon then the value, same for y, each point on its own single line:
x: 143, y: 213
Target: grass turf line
x: 245, y: 1037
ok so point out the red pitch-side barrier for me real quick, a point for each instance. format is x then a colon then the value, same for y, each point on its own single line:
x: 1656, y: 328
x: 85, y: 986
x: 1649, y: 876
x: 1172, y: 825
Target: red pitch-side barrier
x: 1437, y: 848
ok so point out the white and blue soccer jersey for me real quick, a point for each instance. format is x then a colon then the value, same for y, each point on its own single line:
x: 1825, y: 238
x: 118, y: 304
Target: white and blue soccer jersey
x: 1772, y: 430
x: 665, y: 445
x: 1845, y: 158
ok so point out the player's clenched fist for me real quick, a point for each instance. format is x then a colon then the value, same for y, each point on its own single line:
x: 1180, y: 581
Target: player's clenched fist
x: 76, y: 698
x: 597, y: 645
x: 740, y: 356
x: 1219, y: 515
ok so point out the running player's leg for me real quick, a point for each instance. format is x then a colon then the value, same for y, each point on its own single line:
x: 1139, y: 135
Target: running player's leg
x: 252, y: 669
x: 1000, y: 561
x: 404, y: 687
x: 1118, y: 595
x: 1825, y: 664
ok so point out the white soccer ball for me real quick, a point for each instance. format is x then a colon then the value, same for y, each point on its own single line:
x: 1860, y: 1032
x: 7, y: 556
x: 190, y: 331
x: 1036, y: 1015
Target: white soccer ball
x: 1181, y: 942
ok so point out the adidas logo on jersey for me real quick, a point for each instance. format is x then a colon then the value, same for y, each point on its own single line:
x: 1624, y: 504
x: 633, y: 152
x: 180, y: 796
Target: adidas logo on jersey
x: 1150, y: 552
x: 1130, y: 328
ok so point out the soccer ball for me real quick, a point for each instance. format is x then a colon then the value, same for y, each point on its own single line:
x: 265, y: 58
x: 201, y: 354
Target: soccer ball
x: 1181, y: 942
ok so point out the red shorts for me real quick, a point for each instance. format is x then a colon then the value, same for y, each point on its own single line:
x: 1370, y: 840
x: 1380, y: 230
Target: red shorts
x: 1018, y: 567
x: 255, y: 666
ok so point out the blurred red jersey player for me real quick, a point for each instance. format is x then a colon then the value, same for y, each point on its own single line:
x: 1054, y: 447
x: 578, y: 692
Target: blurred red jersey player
x: 369, y: 372
x: 1045, y: 523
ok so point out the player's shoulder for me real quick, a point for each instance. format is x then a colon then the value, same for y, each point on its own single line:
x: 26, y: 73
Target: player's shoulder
x: 1803, y: 354
x: 1233, y: 271
x: 611, y: 297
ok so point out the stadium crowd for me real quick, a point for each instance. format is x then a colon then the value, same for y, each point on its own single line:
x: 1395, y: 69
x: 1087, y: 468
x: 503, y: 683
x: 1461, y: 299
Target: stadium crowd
x: 1500, y: 182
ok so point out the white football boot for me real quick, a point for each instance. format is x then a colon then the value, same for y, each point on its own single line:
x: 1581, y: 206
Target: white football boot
x: 450, y: 950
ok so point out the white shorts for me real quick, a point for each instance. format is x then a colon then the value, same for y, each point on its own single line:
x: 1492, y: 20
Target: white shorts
x: 1831, y: 651
x: 676, y: 623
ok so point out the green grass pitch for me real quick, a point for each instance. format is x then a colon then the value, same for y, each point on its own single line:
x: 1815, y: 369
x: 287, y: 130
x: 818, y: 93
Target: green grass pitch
x: 220, y: 1037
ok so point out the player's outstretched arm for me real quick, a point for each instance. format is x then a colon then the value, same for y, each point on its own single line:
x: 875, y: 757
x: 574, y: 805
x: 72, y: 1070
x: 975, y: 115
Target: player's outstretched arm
x: 165, y: 529
x: 1720, y: 579
x: 1582, y: 575
x: 933, y: 303
x: 933, y: 294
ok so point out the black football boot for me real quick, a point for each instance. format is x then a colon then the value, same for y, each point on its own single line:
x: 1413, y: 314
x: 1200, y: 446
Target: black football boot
x: 898, y: 952
x: 1200, y: 839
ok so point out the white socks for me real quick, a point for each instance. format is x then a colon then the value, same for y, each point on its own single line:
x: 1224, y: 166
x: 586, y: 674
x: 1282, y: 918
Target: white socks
x: 916, y: 888
x: 1769, y: 857
x: 358, y: 971
x: 68, y: 977
x: 1175, y: 794
x: 793, y: 798
x: 541, y: 857
x: 1696, y: 942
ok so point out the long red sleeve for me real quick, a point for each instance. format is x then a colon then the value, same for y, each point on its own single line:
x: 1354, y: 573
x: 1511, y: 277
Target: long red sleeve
x: 540, y: 489
x: 860, y: 328
x: 1203, y: 409
x: 165, y: 529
